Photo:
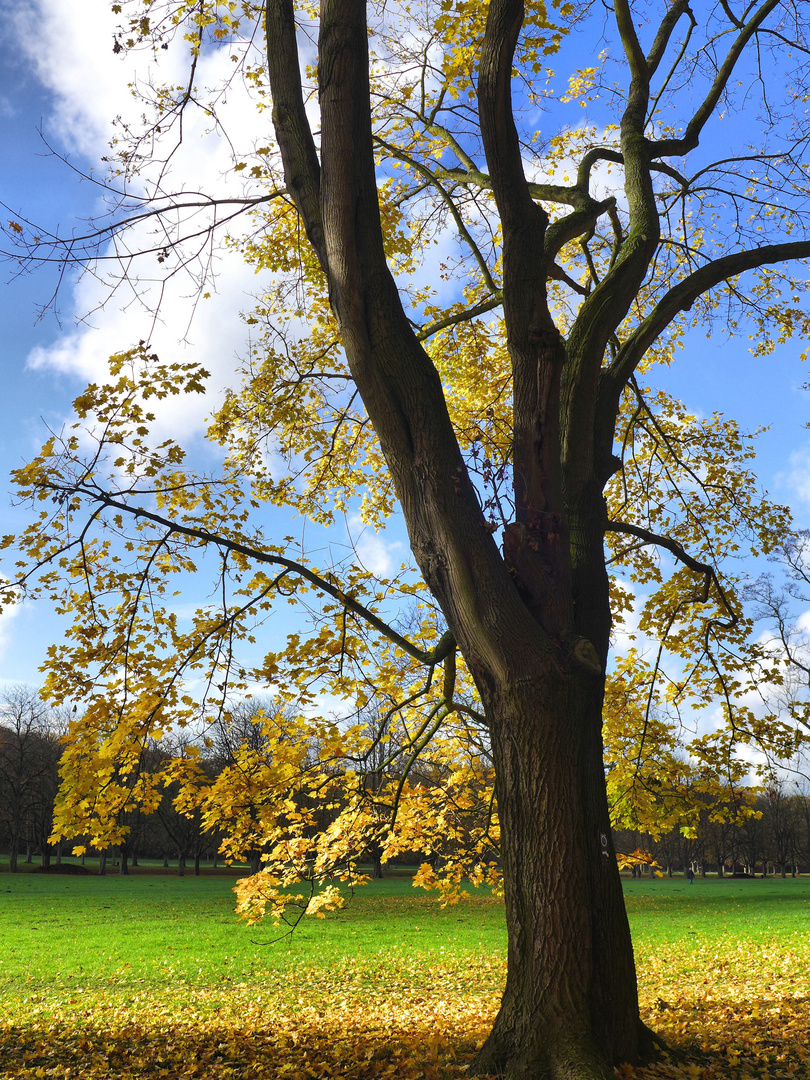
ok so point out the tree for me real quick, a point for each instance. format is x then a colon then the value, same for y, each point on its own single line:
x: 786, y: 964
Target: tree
x: 243, y: 741
x: 776, y: 604
x: 511, y: 425
x: 781, y: 820
x: 29, y: 758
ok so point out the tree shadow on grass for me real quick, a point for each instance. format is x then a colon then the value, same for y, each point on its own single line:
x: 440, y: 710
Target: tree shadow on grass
x: 731, y: 1038
x: 310, y: 1050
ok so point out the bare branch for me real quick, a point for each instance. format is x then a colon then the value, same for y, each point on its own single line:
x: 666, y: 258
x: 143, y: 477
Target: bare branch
x: 691, y: 136
x: 681, y: 297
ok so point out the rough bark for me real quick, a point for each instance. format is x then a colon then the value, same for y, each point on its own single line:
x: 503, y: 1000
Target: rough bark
x: 533, y: 620
x: 570, y: 1002
x: 570, y: 1005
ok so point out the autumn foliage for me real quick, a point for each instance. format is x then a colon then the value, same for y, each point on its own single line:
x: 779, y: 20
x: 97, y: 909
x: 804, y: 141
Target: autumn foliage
x: 468, y: 294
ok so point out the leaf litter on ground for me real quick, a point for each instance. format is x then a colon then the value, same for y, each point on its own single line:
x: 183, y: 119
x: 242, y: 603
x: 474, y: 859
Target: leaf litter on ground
x: 732, y: 1003
x: 748, y: 1016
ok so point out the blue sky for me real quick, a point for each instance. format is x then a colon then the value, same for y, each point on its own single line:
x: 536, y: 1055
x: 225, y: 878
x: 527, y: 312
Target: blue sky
x: 58, y: 72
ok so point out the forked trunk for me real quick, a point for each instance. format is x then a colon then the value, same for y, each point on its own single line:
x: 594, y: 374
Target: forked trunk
x: 532, y: 621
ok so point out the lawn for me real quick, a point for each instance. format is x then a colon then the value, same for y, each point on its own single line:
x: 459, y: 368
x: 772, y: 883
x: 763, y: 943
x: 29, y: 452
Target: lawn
x: 153, y: 976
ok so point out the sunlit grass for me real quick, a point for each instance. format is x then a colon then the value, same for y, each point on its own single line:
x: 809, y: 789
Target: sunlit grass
x: 158, y: 970
x: 164, y: 931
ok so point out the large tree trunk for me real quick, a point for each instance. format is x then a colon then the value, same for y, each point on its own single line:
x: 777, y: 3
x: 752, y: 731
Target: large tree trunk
x: 533, y: 621
x: 570, y: 1005
x: 555, y: 1018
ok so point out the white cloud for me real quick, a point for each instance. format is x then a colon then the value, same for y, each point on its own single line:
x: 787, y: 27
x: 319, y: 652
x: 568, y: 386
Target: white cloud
x: 214, y: 340
x: 66, y: 42
x: 626, y: 635
x: 796, y: 480
x: 7, y: 617
x: 377, y: 552
x: 376, y: 555
x: 69, y: 43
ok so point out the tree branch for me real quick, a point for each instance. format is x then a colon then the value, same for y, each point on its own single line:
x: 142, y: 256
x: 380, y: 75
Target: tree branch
x: 681, y: 297
x: 665, y: 30
x: 429, y: 657
x: 449, y: 202
x: 302, y: 171
x: 466, y: 315
x: 709, y: 574
x: 691, y: 137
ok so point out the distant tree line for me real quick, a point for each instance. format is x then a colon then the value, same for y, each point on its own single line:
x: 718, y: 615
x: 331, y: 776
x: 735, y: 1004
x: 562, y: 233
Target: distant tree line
x: 31, y: 735
x: 760, y: 832
x: 29, y: 773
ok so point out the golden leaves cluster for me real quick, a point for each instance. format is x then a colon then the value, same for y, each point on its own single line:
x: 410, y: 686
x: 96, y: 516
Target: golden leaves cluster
x: 296, y: 436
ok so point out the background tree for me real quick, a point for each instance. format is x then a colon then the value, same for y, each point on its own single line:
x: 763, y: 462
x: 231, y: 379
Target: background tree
x: 29, y: 762
x: 512, y: 425
x: 242, y: 743
x: 779, y: 813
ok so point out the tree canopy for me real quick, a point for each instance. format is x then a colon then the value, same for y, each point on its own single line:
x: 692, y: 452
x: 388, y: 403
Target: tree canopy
x: 466, y: 293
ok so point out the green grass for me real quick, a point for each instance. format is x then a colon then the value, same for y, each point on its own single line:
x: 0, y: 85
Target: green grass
x: 666, y: 910
x: 93, y: 933
x: 159, y: 970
